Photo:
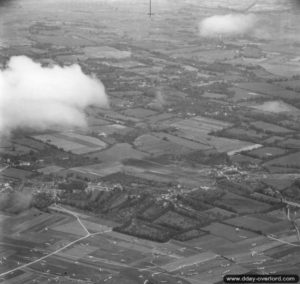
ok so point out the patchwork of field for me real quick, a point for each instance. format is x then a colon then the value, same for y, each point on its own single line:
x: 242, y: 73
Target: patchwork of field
x: 15, y: 149
x: 290, y: 161
x: 156, y: 146
x: 180, y: 141
x: 197, y: 129
x: 70, y: 141
x: 228, y: 232
x: 276, y: 107
x: 118, y: 152
x: 295, y: 84
x: 139, y: 112
x: 240, y: 204
x: 285, y: 70
x: 106, y: 52
x: 243, y: 95
x: 221, y: 144
x: 50, y: 169
x: 200, y: 124
x: 252, y: 223
x: 270, y: 128
x: 241, y: 133
x: 290, y: 143
x: 267, y: 152
x: 97, y: 170
x: 209, y: 56
x: 268, y: 89
x: 106, y: 255
x: 14, y: 173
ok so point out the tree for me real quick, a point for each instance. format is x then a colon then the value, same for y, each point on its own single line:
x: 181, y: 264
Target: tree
x: 43, y: 199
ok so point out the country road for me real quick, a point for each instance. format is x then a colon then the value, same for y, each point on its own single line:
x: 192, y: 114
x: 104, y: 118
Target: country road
x: 88, y: 234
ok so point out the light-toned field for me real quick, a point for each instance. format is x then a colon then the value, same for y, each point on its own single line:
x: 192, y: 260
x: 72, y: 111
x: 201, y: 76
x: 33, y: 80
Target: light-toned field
x: 70, y: 141
x: 243, y: 95
x: 228, y: 232
x: 189, y: 261
x: 181, y: 141
x: 286, y: 70
x: 249, y: 222
x: 201, y: 124
x: 100, y: 170
x: 105, y: 52
x: 50, y: 169
x: 156, y: 146
x: 72, y: 227
x: 139, y: 112
x: 276, y: 107
x: 79, y: 251
x: 118, y: 152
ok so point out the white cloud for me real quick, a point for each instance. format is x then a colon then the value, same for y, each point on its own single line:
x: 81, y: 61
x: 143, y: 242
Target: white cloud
x: 227, y: 25
x: 33, y: 96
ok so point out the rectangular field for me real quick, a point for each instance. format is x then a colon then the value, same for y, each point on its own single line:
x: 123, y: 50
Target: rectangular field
x: 290, y: 161
x: 201, y: 124
x: 228, y: 232
x: 241, y: 204
x: 118, y: 152
x: 268, y: 89
x: 269, y: 127
x: 70, y: 141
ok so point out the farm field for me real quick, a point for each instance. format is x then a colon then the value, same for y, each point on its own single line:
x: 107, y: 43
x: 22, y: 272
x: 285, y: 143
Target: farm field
x: 157, y: 146
x: 251, y: 223
x: 70, y: 141
x: 15, y: 173
x: 201, y: 124
x: 98, y: 170
x: 290, y: 143
x: 181, y: 141
x: 289, y: 161
x: 240, y: 133
x: 276, y: 107
x: 50, y: 169
x: 106, y: 52
x: 187, y: 165
x: 118, y: 152
x: 266, y: 152
x: 139, y: 112
x: 241, y: 204
x: 270, y: 128
x: 268, y: 89
x: 228, y: 232
x: 243, y: 95
x: 295, y: 84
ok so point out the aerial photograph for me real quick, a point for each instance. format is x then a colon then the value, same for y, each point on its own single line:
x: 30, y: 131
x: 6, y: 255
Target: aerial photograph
x: 149, y: 141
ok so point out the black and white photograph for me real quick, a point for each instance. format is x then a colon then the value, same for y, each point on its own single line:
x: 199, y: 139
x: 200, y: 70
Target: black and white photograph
x: 149, y: 141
